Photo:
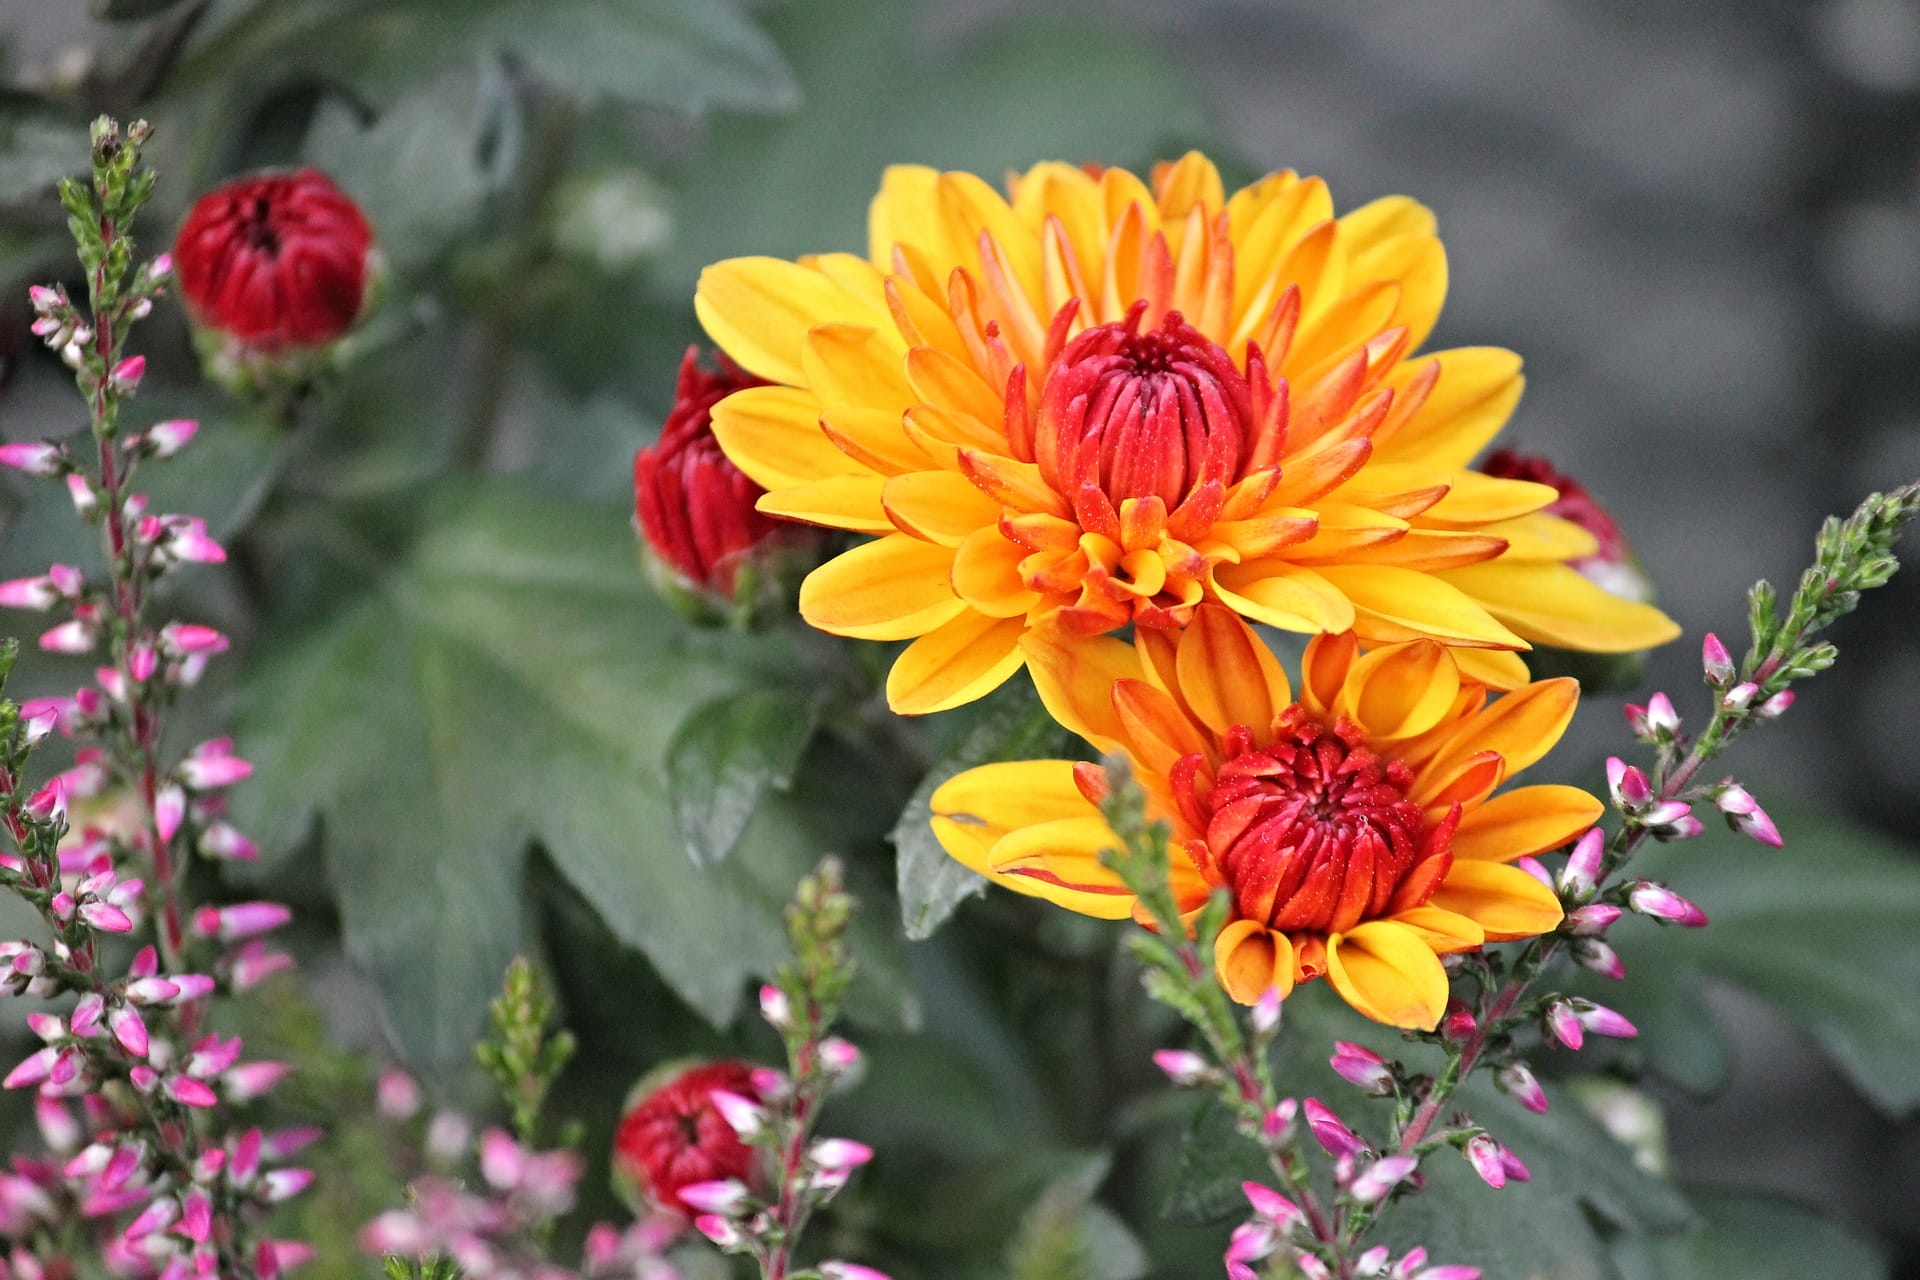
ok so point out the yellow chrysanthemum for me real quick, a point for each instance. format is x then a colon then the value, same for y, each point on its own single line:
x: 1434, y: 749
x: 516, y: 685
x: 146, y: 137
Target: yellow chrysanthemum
x: 1097, y: 403
x: 1355, y: 828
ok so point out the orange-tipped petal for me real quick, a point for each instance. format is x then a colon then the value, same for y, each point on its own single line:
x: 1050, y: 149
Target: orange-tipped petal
x: 966, y: 658
x: 1524, y: 821
x: 893, y: 588
x: 1389, y: 973
x: 1250, y: 960
x: 1505, y: 901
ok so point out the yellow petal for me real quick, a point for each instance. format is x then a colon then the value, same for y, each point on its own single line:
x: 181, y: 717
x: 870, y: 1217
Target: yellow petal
x: 1066, y: 850
x: 1075, y: 677
x: 1388, y: 218
x: 1474, y: 500
x: 1478, y: 388
x: 1524, y: 821
x: 1401, y: 690
x: 874, y: 439
x: 839, y: 502
x: 889, y: 589
x: 1006, y: 795
x: 1418, y: 264
x: 1225, y: 675
x: 1402, y: 604
x: 901, y: 212
x: 773, y: 434
x: 1388, y: 972
x: 1323, y: 670
x: 1505, y: 901
x: 939, y: 506
x: 970, y: 846
x: 957, y: 662
x: 1552, y: 604
x: 1250, y: 959
x: 986, y: 574
x: 1543, y: 537
x: 854, y: 367
x: 1282, y: 595
x: 952, y: 384
x: 1497, y: 669
x: 1444, y: 931
x: 760, y: 309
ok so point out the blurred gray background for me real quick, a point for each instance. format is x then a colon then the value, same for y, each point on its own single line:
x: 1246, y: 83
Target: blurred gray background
x: 1698, y: 222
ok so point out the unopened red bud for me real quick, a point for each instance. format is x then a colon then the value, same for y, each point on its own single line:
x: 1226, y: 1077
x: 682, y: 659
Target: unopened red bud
x: 1458, y: 1025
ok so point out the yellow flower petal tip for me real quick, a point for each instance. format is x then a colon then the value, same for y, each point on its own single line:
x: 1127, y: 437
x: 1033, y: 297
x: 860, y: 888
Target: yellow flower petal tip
x: 1097, y: 401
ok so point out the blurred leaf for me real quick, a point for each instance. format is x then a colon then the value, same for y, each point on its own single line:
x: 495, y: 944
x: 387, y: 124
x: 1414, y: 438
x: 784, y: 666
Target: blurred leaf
x: 507, y: 678
x: 686, y: 55
x: 1214, y: 1161
x: 38, y: 147
x: 1754, y: 1238
x: 130, y: 10
x: 726, y: 757
x: 876, y: 92
x: 1822, y: 930
x: 1012, y: 725
x: 427, y: 167
x: 1066, y: 1236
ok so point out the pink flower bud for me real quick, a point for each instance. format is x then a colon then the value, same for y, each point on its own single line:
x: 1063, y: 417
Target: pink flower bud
x: 151, y: 991
x: 106, y: 917
x: 1277, y: 1119
x: 1381, y: 1177
x: 1597, y: 957
x: 1457, y: 1025
x: 1776, y: 706
x: 1329, y: 1132
x: 169, y: 810
x: 1665, y: 813
x: 241, y: 920
x: 1662, y: 719
x: 127, y: 374
x: 1272, y: 1206
x: 1183, y: 1067
x: 1715, y: 660
x: 1265, y: 1014
x: 1250, y: 1242
x: 189, y: 1092
x: 1483, y: 1153
x: 85, y: 500
x: 1740, y: 697
x: 1535, y: 868
x: 74, y: 636
x: 1745, y: 815
x: 253, y: 1079
x: 1518, y: 1083
x: 196, y: 1217
x: 222, y: 840
x: 1563, y: 1024
x: 190, y: 638
x: 38, y: 594
x: 1362, y: 1068
x: 44, y: 298
x: 743, y: 1115
x: 209, y: 772
x: 141, y: 662
x: 1592, y: 920
x: 399, y: 1095
x: 1663, y: 904
x: 1581, y: 876
x: 719, y: 1230
x: 33, y: 458
x: 839, y: 1153
x: 170, y: 437
x: 1603, y: 1021
x: 284, y: 1184
x: 838, y: 1056
x: 128, y: 1028
x: 775, y: 1007
x: 36, y: 1069
x: 1628, y: 784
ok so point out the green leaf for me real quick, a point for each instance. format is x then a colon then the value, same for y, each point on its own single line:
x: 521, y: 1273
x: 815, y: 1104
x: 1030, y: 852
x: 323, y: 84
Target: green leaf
x: 1822, y: 930
x: 504, y: 678
x: 1214, y: 1161
x: 685, y: 55
x: 1011, y: 725
x: 1754, y: 1238
x: 1066, y: 1236
x: 725, y: 758
x: 38, y: 147
x: 876, y: 92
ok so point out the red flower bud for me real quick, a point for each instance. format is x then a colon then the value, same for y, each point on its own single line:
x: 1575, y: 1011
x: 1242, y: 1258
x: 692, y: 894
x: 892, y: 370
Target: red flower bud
x: 1614, y: 566
x: 275, y: 262
x: 673, y: 1136
x: 695, y: 508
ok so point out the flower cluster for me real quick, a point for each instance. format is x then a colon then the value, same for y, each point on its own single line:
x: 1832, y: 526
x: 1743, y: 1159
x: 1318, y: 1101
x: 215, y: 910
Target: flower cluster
x: 156, y: 1172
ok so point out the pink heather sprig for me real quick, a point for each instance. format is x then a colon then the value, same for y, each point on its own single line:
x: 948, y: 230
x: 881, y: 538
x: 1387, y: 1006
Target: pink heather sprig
x: 805, y: 1172
x: 153, y: 1176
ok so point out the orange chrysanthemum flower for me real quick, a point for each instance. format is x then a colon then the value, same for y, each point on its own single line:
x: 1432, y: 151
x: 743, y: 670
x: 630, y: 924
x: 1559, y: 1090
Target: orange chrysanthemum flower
x: 1355, y: 827
x: 1098, y: 403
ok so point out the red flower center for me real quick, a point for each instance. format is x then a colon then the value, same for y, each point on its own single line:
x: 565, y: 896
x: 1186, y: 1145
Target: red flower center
x: 1138, y: 415
x: 1313, y: 832
x: 675, y: 1136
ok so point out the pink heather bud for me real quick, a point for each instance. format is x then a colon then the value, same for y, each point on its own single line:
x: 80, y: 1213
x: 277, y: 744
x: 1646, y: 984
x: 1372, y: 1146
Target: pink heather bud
x: 1241, y: 1271
x: 399, y: 1095
x: 1535, y: 868
x: 1250, y: 1242
x: 1415, y: 1259
x: 1740, y: 697
x: 36, y: 1069
x: 1518, y: 1083
x: 144, y: 1078
x: 187, y: 539
x: 838, y: 1056
x: 839, y: 1153
x: 834, y: 1269
x: 223, y: 840
x: 1372, y: 1263
x: 207, y: 772
x: 1663, y: 904
x: 1311, y: 1267
x: 189, y: 638
x: 38, y: 594
x: 397, y: 1233
x: 719, y: 1230
x: 160, y: 268
x: 170, y: 437
x: 254, y: 1079
x: 722, y: 1196
x: 192, y: 986
x: 1265, y: 1014
x: 1362, y: 1067
x: 1661, y: 717
x: 1329, y: 1132
x: 58, y: 1129
x: 1603, y: 1021
x: 157, y: 1216
x: 1597, y: 957
x: 127, y: 374
x: 212, y: 1055
x: 141, y: 662
x: 1628, y: 784
x: 1581, y: 876
x: 33, y: 458
x: 1683, y: 829
x: 69, y: 637
x: 85, y: 500
x: 273, y: 1258
x: 128, y: 1028
x: 1516, y: 1168
x: 43, y: 298
x: 284, y: 1184
x: 189, y: 1092
x: 290, y: 1142
x: 241, y: 920
x: 47, y: 1026
x: 768, y: 1084
x: 253, y: 964
x: 106, y: 917
x: 1776, y: 706
x: 1183, y: 1067
x: 1449, y: 1273
x: 775, y: 1007
x: 1715, y: 660
x: 196, y: 1217
x: 151, y: 991
x: 1666, y: 813
x: 1276, y: 1121
x: 169, y: 811
x: 1592, y: 920
x: 1745, y: 815
x: 1483, y: 1153
x: 1563, y: 1024
x: 743, y: 1115
x: 1381, y: 1177
x: 1272, y: 1206
x: 1457, y: 1025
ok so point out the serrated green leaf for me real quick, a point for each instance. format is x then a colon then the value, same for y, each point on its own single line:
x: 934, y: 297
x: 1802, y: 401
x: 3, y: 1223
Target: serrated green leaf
x: 508, y: 678
x: 38, y: 147
x: 1214, y: 1161
x: 1822, y: 930
x: 725, y: 758
x: 686, y: 55
x: 1012, y: 725
x: 1754, y: 1237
